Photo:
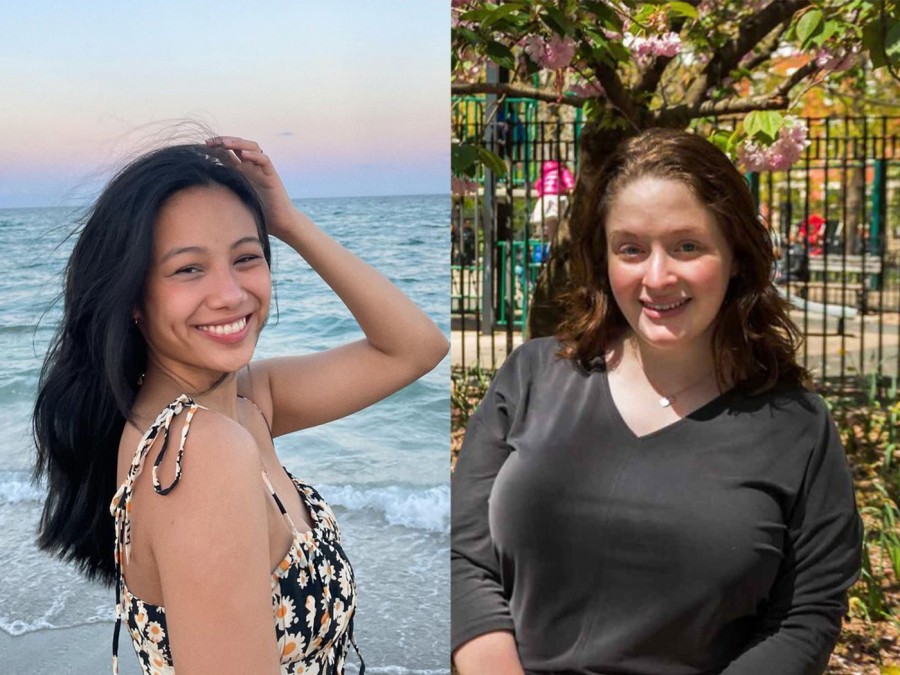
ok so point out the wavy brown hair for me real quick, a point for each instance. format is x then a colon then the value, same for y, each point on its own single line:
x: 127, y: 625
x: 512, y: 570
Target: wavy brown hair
x: 754, y: 339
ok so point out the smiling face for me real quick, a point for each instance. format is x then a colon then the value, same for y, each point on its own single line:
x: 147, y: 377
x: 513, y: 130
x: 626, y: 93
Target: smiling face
x: 669, y: 263
x: 208, y: 286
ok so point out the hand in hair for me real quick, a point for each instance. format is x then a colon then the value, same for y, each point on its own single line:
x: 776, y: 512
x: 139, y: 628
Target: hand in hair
x: 281, y: 215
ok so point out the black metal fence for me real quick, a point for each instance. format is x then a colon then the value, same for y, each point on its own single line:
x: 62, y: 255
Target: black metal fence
x: 835, y: 217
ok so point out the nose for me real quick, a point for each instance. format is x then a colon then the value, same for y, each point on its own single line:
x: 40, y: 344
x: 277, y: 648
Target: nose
x: 659, y: 270
x: 225, y: 289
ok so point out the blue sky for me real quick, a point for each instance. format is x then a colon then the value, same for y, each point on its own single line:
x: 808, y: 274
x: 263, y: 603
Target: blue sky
x: 348, y: 98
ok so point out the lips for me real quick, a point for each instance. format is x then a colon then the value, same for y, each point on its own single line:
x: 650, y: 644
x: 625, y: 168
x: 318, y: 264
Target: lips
x: 225, y: 329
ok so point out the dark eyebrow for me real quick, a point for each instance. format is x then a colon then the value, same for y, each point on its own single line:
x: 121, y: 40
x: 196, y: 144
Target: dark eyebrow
x: 199, y: 249
x: 246, y: 240
x: 179, y: 251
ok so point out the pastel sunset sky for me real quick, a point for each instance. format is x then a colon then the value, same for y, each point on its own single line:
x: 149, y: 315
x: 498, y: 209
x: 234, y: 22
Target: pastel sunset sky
x: 348, y: 98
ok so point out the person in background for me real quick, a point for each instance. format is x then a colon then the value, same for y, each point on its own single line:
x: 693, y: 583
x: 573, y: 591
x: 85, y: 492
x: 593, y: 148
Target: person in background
x: 553, y: 189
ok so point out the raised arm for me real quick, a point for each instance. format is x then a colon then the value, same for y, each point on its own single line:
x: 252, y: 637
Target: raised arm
x: 401, y: 343
x: 802, y: 619
x: 210, y: 542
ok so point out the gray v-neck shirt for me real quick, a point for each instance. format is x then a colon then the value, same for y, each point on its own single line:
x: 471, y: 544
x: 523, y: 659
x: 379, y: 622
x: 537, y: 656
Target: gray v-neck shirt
x: 723, y: 543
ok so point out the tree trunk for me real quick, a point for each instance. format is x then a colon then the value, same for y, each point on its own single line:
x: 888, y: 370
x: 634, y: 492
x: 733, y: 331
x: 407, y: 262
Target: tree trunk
x: 546, y: 311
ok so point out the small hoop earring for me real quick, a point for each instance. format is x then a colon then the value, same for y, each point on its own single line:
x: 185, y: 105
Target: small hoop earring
x: 140, y: 379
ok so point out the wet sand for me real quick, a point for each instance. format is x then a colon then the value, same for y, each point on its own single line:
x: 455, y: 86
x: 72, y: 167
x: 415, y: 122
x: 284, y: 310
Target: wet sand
x: 82, y: 650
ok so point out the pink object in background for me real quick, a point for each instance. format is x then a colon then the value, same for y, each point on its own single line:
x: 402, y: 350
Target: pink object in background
x: 551, y: 177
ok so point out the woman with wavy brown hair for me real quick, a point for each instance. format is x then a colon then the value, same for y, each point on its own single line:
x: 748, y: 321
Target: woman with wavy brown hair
x: 656, y: 490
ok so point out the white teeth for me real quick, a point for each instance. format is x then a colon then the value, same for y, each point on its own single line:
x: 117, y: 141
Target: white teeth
x: 228, y: 329
x: 663, y: 308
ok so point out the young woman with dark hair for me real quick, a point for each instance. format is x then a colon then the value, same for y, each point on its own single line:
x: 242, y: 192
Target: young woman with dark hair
x: 655, y: 490
x: 239, y: 568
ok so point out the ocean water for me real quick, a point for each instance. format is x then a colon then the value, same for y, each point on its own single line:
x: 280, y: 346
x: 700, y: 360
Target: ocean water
x: 384, y: 470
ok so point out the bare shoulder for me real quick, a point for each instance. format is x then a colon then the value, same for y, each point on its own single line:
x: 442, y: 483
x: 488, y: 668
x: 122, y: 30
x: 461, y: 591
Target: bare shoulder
x: 217, y: 488
x: 253, y: 384
x: 210, y: 544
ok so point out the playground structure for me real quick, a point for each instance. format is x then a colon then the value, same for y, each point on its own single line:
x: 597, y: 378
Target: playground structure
x: 842, y: 276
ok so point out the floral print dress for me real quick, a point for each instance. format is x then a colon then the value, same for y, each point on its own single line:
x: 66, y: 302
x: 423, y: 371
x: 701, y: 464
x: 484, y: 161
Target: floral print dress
x: 313, y: 589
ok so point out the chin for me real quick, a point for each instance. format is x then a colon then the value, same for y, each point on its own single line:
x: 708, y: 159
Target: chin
x: 662, y: 338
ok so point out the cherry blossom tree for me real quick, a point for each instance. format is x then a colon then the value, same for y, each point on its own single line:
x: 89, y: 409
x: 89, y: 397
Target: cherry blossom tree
x: 678, y: 64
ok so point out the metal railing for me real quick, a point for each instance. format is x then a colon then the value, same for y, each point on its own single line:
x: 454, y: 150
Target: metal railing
x: 835, y: 216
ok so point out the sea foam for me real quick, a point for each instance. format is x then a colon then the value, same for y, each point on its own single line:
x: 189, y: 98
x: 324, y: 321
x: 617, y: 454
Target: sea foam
x: 415, y: 508
x: 16, y: 487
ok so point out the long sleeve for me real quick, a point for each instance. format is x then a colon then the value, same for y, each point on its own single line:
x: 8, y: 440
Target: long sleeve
x: 478, y: 603
x: 802, y: 618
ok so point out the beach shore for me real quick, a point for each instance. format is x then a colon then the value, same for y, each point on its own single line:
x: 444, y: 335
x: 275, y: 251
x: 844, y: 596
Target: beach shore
x: 81, y: 650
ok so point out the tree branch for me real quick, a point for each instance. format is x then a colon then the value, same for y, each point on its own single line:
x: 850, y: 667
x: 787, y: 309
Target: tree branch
x: 767, y: 48
x: 750, y: 33
x: 615, y: 91
x: 679, y: 116
x: 617, y: 95
x: 517, y: 91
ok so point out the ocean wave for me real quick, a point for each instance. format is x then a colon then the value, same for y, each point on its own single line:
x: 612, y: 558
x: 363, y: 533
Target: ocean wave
x: 415, y: 508
x: 16, y: 487
x: 15, y: 627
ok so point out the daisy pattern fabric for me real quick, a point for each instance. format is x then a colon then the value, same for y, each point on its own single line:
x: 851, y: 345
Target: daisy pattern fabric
x: 313, y: 588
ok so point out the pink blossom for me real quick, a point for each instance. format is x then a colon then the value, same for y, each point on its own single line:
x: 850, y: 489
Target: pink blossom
x: 534, y: 47
x: 552, y: 54
x: 558, y: 52
x: 839, y: 60
x: 668, y: 44
x: 793, y: 139
x: 751, y: 156
x: 460, y: 187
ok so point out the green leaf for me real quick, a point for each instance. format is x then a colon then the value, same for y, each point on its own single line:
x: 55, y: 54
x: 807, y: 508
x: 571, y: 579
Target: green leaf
x: 462, y: 159
x: 604, y: 13
x: 502, y: 12
x: 830, y: 28
x: 476, y: 15
x: 892, y: 42
x: 809, y: 23
x: 618, y: 51
x: 590, y: 109
x: 491, y: 161
x: 468, y: 35
x: 597, y: 38
x: 602, y: 55
x: 554, y: 20
x: 682, y: 9
x: 568, y: 26
x: 720, y: 140
x: 500, y: 54
x: 872, y: 42
x: 763, y: 124
x: 881, y: 45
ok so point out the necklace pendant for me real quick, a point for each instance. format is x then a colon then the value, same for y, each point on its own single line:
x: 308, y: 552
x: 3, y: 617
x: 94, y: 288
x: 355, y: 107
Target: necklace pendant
x: 664, y: 402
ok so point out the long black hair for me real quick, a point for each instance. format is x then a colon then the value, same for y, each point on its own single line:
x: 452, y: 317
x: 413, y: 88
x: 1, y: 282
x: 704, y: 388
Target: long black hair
x: 90, y: 376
